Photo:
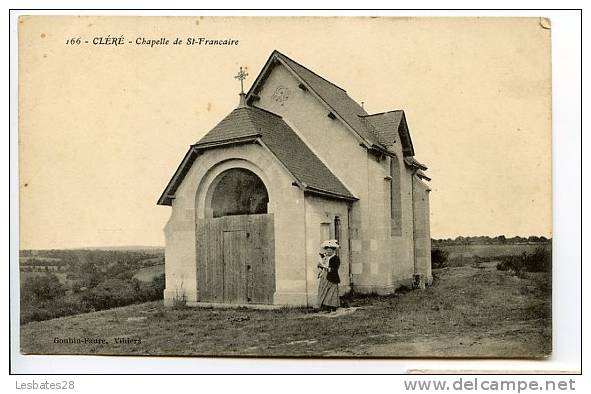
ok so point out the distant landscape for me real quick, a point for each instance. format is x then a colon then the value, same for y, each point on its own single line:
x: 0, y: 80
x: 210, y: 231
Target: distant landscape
x: 534, y: 251
x: 62, y: 282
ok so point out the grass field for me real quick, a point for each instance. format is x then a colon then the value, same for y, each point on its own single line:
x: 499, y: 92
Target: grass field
x: 466, y: 254
x: 39, y: 258
x: 489, y: 250
x: 24, y: 275
x: 470, y: 311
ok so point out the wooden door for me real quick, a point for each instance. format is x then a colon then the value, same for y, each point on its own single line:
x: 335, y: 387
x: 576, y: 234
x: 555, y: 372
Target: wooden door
x: 234, y: 267
x: 235, y: 259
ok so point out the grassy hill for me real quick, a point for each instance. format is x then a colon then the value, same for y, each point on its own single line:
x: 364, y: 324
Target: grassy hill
x: 470, y: 311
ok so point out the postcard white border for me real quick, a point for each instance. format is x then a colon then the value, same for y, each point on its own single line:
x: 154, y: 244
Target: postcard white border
x: 566, y: 30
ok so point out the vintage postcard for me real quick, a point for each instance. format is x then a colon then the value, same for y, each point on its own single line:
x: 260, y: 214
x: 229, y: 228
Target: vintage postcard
x: 285, y: 186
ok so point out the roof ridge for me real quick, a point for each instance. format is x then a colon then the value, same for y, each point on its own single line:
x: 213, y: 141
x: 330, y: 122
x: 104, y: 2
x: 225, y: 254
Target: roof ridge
x: 380, y: 113
x: 306, y: 68
x: 249, y: 107
x: 371, y: 127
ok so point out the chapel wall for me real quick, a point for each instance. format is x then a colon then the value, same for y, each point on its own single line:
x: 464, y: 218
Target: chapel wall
x: 389, y: 261
x: 335, y: 145
x: 380, y: 261
x: 286, y: 202
x: 404, y: 271
x: 373, y: 272
x: 320, y: 217
x: 422, y: 233
x: 400, y: 247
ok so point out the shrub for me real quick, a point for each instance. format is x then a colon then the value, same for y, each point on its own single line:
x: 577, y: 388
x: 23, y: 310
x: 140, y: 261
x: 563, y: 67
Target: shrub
x: 110, y: 294
x: 179, y: 301
x: 439, y: 258
x: 538, y: 261
x: 152, y: 291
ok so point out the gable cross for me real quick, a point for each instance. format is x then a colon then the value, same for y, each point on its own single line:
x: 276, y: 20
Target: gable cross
x: 241, y: 76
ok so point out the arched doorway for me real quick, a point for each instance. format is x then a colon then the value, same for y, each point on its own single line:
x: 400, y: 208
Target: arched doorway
x: 235, y: 244
x: 238, y: 191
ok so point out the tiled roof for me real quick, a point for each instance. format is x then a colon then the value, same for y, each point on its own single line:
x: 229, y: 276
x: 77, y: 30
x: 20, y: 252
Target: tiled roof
x: 388, y: 126
x: 376, y: 130
x: 250, y: 124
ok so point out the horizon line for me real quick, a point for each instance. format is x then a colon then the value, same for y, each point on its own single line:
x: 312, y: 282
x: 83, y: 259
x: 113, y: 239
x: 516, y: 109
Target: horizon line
x: 112, y: 247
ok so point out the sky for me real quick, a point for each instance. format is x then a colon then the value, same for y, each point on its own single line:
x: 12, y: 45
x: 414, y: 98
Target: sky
x: 102, y: 128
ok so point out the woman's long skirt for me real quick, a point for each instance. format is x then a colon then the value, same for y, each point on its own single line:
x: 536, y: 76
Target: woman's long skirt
x: 328, y: 293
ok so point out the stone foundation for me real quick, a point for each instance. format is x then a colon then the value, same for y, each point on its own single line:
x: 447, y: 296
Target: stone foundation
x: 290, y: 298
x: 171, y: 297
x: 384, y: 290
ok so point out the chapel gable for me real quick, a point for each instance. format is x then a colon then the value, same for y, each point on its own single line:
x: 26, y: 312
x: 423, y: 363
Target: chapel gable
x: 376, y: 132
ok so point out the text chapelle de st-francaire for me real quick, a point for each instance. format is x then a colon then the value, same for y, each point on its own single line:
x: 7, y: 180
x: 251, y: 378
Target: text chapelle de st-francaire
x: 163, y: 41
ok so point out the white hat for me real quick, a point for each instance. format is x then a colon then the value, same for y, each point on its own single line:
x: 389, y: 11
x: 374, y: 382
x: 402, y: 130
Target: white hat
x: 331, y: 243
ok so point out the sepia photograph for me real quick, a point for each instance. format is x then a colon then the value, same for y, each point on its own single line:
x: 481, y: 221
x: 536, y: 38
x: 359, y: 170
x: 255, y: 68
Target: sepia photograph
x: 304, y: 187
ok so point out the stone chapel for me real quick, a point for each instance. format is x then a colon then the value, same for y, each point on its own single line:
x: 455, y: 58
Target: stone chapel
x: 296, y: 163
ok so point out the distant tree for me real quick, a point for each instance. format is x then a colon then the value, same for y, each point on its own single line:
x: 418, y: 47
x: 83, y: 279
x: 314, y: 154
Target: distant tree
x: 42, y: 288
x: 89, y: 275
x: 96, y: 279
x: 439, y: 258
x: 538, y: 261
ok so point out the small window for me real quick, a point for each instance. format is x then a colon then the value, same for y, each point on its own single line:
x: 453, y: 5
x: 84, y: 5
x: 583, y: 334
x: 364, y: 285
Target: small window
x: 395, y: 198
x: 337, y: 230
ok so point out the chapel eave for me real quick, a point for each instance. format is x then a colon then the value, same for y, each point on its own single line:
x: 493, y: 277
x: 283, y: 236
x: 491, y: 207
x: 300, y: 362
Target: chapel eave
x: 324, y: 193
x: 254, y: 125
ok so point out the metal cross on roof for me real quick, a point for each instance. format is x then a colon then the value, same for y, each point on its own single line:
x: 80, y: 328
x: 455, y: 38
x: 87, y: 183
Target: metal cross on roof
x: 241, y: 76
